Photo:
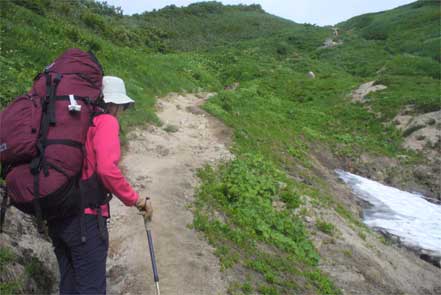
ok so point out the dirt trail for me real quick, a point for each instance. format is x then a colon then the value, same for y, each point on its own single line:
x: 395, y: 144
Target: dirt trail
x: 162, y: 165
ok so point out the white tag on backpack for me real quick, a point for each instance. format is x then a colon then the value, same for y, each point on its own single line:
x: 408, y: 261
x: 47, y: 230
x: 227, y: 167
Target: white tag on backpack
x: 73, y: 107
x: 3, y: 147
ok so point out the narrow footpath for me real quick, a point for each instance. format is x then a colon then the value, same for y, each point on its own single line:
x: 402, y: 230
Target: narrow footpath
x: 161, y: 162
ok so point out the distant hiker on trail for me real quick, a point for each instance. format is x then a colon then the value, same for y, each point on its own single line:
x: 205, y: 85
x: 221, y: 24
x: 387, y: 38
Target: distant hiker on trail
x: 83, y: 264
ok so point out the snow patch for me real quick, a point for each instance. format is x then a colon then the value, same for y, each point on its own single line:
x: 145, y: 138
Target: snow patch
x: 408, y: 216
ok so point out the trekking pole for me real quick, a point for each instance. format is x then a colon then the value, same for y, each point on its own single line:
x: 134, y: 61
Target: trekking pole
x: 3, y: 207
x: 152, y: 255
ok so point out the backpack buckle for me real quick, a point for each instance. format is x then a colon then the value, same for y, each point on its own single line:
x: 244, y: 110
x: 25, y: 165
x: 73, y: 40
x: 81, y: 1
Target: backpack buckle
x: 35, y: 166
x: 58, y: 78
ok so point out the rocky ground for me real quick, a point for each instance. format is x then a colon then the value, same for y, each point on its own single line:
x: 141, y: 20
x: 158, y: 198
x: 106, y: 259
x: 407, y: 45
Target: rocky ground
x: 359, y: 94
x: 28, y: 265
x: 422, y: 134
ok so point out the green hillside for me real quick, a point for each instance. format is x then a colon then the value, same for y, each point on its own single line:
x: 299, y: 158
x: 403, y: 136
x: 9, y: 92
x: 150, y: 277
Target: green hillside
x: 413, y: 29
x: 201, y: 26
x: 278, y: 114
x: 35, y: 32
x: 400, y: 48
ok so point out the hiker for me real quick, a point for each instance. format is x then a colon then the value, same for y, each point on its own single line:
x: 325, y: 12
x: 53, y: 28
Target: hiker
x: 59, y: 151
x: 82, y: 264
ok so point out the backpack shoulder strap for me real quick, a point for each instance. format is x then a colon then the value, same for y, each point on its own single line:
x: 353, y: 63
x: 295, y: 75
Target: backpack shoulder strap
x: 97, y: 111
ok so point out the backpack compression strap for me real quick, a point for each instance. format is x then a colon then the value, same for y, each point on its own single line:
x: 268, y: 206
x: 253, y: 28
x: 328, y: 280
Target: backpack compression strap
x: 48, y: 117
x: 51, y: 93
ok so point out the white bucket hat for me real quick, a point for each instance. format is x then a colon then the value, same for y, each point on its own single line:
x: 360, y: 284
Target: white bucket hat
x: 114, y: 91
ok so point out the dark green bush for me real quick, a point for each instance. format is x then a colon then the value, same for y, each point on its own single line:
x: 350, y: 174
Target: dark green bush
x: 93, y: 21
x: 376, y: 31
x: 104, y: 8
x: 282, y: 49
x: 412, y: 65
x: 326, y: 227
x: 359, y: 22
x: 422, y: 3
x: 123, y: 36
x: 203, y: 8
x: 37, y: 6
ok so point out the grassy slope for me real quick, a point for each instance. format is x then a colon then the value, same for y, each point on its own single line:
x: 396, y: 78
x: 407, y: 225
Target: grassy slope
x: 204, y: 26
x: 401, y: 49
x: 410, y: 28
x: 277, y: 112
x: 29, y: 41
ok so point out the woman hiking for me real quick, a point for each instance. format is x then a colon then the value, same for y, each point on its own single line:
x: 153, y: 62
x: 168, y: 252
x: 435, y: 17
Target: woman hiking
x: 81, y: 242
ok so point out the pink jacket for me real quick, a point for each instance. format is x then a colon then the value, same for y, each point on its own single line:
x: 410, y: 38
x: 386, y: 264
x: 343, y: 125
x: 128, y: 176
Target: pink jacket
x: 102, y: 156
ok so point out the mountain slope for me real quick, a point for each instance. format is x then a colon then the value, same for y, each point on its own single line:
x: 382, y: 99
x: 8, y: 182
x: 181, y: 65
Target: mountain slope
x: 280, y: 221
x: 412, y: 28
x: 207, y: 24
x: 399, y: 48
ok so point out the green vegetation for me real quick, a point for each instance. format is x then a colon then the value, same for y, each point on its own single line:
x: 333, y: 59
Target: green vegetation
x: 33, y: 269
x: 209, y: 24
x: 362, y: 235
x: 326, y: 227
x: 6, y: 257
x: 171, y: 128
x: 10, y: 287
x: 407, y: 29
x: 400, y: 48
x: 278, y: 114
x: 39, y: 272
x: 235, y: 211
x: 29, y: 41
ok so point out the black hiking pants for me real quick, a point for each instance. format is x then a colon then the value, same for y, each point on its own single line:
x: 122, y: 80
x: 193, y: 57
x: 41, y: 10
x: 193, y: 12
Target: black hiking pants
x: 82, y: 266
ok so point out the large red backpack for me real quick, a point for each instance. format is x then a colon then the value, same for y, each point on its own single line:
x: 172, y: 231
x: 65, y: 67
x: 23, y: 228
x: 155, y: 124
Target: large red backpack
x: 42, y: 134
